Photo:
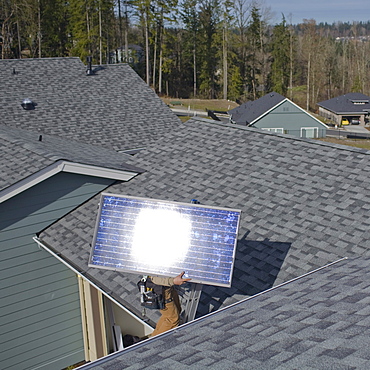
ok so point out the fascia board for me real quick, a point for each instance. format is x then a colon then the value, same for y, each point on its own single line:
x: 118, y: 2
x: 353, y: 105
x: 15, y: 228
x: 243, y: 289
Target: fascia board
x: 346, y: 112
x: 109, y: 173
x: 64, y: 166
x: 339, y: 112
x: 267, y: 112
x: 57, y: 256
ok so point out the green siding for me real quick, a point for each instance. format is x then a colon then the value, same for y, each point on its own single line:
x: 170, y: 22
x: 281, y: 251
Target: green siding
x: 40, y: 321
x: 291, y: 119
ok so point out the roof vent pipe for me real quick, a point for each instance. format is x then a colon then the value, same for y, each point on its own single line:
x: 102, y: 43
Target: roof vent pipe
x: 89, y: 70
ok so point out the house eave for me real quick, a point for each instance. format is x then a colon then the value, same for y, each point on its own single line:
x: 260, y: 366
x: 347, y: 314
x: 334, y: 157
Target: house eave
x: 346, y: 112
x: 64, y: 166
x: 48, y: 249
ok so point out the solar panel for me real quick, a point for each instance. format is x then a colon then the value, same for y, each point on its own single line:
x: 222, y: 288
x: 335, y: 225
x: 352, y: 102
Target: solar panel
x: 156, y: 237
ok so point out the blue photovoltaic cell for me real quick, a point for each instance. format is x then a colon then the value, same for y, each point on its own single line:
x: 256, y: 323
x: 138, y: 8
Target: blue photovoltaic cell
x: 154, y: 237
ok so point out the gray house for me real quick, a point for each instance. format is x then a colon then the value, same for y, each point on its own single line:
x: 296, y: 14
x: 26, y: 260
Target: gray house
x: 275, y: 113
x: 351, y: 108
x: 305, y: 206
x: 46, y: 314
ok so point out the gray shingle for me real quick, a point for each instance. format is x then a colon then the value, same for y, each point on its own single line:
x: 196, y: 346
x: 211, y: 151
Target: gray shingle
x: 344, y: 103
x: 24, y: 155
x: 278, y: 329
x: 293, y: 218
x: 113, y: 108
x: 251, y: 110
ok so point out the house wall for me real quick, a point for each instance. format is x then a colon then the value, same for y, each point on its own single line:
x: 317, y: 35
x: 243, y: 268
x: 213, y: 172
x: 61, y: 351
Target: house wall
x: 291, y: 119
x: 40, y: 320
x: 334, y: 118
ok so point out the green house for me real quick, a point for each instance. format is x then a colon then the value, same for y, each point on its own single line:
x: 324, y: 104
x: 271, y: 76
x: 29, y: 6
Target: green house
x: 275, y: 113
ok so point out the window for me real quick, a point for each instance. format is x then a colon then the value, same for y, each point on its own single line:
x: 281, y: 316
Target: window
x: 275, y: 130
x: 309, y: 132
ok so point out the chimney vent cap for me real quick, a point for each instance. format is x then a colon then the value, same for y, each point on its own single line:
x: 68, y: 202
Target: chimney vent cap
x: 28, y: 104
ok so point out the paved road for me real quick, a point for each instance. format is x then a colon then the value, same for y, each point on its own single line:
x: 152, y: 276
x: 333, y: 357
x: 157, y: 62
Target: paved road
x: 349, y: 131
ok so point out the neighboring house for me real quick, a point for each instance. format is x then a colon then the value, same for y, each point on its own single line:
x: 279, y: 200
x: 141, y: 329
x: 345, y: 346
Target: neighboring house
x: 275, y: 113
x: 352, y: 108
x: 305, y: 204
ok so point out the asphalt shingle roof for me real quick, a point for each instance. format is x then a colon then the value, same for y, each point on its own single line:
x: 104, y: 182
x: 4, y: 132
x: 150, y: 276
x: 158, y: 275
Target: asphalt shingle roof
x: 23, y: 154
x: 345, y: 104
x: 251, y: 110
x: 113, y: 108
x: 319, y: 321
x: 304, y: 204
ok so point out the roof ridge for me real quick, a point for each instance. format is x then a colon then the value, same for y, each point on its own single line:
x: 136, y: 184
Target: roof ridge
x: 284, y: 136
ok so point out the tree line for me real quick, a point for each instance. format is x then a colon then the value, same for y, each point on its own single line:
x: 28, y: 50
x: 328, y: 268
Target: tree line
x: 226, y: 49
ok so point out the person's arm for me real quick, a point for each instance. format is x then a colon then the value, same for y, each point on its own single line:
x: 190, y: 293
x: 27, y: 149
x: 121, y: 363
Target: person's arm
x: 169, y: 281
x: 162, y: 280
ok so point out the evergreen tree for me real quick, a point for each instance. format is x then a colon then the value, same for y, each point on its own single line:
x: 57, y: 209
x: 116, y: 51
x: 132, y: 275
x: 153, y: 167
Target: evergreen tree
x: 227, y: 24
x: 256, y: 48
x: 190, y: 18
x: 280, y: 54
x: 54, y: 25
x: 209, y: 16
x: 90, y: 28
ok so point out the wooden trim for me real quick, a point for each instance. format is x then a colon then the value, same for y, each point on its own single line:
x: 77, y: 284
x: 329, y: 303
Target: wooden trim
x: 92, y: 312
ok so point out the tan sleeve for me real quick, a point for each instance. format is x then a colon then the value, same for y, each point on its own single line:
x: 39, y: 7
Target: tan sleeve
x: 162, y: 280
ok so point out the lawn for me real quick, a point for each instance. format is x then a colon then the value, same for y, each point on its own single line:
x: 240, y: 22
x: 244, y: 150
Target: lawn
x: 359, y: 143
x: 202, y: 104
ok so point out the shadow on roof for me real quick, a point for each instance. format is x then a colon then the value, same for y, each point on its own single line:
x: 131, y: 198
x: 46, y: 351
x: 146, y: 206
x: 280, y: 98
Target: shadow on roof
x: 257, y: 265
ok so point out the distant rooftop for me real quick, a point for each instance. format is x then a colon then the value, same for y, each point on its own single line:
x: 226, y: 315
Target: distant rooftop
x: 348, y: 103
x: 113, y: 107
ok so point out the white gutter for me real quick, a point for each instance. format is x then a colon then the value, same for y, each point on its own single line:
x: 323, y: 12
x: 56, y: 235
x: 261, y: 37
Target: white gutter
x: 64, y: 166
x: 43, y: 246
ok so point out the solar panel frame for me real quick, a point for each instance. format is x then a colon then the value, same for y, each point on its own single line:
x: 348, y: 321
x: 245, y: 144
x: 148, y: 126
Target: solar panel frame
x: 210, y: 263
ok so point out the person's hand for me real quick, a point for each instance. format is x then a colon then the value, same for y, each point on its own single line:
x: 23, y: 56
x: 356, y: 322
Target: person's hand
x: 178, y: 280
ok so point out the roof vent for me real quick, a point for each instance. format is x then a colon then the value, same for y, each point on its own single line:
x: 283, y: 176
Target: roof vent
x: 28, y: 104
x: 89, y: 70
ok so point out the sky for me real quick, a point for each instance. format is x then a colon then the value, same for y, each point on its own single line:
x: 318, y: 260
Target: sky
x: 329, y: 11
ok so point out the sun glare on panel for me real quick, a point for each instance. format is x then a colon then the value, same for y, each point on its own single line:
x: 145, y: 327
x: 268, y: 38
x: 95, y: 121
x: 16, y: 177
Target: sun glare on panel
x: 160, y: 237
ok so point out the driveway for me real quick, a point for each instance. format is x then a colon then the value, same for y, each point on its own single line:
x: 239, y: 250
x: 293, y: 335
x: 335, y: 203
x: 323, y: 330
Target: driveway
x: 356, y: 128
